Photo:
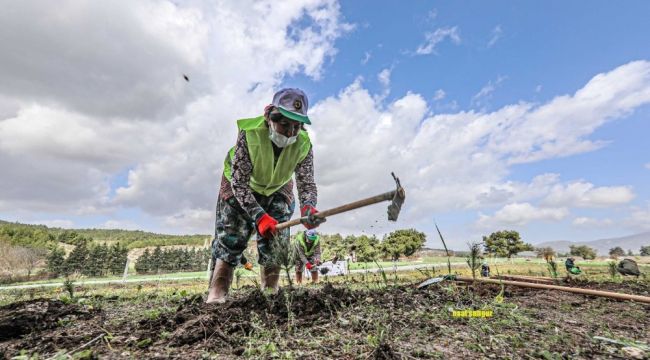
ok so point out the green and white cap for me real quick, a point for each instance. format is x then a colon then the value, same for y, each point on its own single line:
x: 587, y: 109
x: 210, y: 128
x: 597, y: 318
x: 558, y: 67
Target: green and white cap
x: 293, y: 104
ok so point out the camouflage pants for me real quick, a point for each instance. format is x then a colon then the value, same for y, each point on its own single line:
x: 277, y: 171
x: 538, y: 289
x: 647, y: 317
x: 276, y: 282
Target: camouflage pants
x: 234, y: 228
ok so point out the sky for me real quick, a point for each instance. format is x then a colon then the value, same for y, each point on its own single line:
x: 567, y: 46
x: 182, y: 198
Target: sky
x: 527, y: 116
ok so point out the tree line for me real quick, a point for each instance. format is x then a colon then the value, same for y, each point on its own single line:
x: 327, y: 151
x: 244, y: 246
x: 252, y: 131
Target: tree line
x: 172, y: 260
x: 43, y: 237
x: 89, y: 260
x: 506, y: 243
x: 366, y: 248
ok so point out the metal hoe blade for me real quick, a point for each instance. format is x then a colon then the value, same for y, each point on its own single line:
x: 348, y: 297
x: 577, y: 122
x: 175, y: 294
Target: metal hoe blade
x: 398, y: 200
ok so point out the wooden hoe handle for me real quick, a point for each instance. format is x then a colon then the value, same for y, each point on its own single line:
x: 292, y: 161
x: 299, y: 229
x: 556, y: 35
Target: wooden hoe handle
x: 343, y: 208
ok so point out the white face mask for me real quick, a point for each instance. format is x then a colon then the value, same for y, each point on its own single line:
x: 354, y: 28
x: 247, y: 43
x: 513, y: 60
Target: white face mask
x: 280, y: 140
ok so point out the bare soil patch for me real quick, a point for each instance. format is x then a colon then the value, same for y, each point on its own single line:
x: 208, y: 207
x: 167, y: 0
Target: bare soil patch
x: 394, y: 322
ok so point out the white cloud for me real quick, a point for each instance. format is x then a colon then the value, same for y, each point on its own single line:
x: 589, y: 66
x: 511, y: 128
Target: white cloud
x: 436, y: 37
x: 639, y: 218
x: 497, y: 32
x: 520, y: 214
x: 591, y: 222
x: 188, y: 220
x: 73, y: 115
x: 439, y: 95
x: 432, y: 15
x: 453, y: 161
x: 647, y: 166
x: 486, y: 91
x: 384, y: 77
x: 169, y: 136
x: 583, y: 194
x: 559, y: 127
x: 75, y: 61
x: 496, y: 194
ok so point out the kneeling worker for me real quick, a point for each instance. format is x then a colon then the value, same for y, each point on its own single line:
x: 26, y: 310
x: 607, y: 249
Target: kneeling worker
x: 571, y: 267
x: 308, y: 250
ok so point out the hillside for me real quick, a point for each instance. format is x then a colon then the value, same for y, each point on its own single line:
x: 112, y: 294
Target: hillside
x: 630, y: 242
x: 42, y: 236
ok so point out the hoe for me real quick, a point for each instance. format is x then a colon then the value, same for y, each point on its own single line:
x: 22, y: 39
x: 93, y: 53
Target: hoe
x: 396, y: 198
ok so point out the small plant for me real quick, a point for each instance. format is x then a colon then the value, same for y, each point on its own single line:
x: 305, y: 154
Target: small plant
x: 238, y: 274
x: 611, y: 269
x: 377, y: 341
x: 144, y: 343
x: 427, y: 273
x: 68, y: 286
x: 153, y: 314
x: 500, y: 296
x: 266, y: 350
x: 474, y: 257
x: 283, y: 254
x: 288, y: 301
x: 383, y: 273
x: 552, y: 268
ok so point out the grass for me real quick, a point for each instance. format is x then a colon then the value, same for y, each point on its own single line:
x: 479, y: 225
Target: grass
x: 521, y: 266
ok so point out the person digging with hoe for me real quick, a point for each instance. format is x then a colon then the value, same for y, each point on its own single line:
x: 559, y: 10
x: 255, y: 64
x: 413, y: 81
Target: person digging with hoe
x: 256, y: 191
x: 308, y: 250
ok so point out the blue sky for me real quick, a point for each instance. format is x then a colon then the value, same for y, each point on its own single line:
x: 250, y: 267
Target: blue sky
x: 522, y: 115
x: 539, y: 50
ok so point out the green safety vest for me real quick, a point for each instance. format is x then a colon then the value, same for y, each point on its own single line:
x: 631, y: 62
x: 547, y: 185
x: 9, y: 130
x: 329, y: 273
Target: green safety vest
x: 268, y: 175
x: 300, y: 237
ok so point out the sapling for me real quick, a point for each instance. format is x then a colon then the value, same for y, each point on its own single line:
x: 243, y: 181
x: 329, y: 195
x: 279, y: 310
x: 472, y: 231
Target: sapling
x: 474, y: 257
x: 611, y: 269
x: 238, y: 275
x: 383, y: 273
x: 68, y: 285
x: 552, y: 268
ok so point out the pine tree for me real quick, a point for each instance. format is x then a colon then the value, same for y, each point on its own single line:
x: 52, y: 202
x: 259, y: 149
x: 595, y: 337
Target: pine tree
x: 67, y: 236
x: 143, y: 263
x: 104, y: 258
x: 156, y: 260
x: 77, y: 259
x: 203, y: 258
x: 56, y: 261
x: 95, y: 263
x: 117, y: 258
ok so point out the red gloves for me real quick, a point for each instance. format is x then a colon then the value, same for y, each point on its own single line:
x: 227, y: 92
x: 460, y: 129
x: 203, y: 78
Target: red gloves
x: 308, y: 219
x: 309, y: 266
x: 266, y: 226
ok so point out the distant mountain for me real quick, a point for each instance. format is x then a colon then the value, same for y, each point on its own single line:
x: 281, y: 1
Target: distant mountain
x: 631, y: 242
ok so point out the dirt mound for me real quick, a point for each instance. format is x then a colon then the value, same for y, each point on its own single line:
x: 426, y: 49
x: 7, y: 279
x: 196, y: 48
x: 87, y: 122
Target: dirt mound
x: 25, y: 317
x: 196, y: 321
x: 219, y: 326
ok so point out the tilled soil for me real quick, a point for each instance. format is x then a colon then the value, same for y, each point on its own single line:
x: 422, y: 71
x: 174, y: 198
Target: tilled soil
x: 396, y: 322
